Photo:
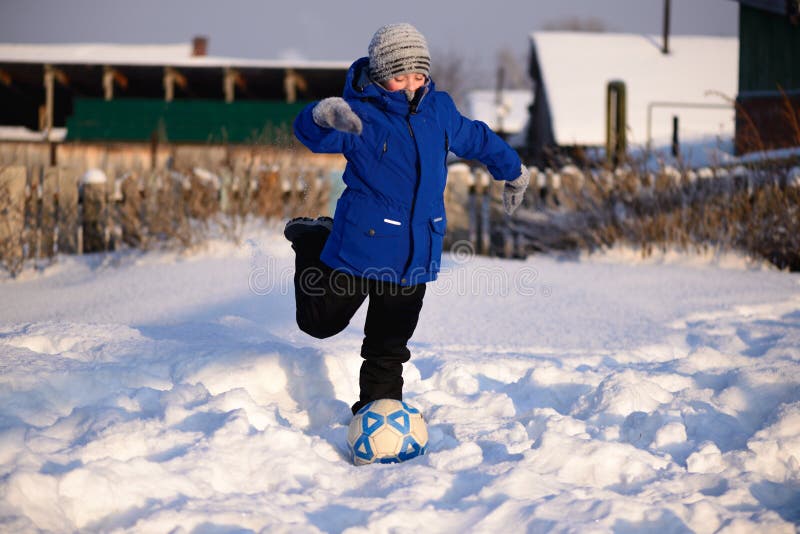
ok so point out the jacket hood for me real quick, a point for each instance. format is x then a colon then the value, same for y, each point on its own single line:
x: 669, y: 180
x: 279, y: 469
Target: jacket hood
x: 359, y: 85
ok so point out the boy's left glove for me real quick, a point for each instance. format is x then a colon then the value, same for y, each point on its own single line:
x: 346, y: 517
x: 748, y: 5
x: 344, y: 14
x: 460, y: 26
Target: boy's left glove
x: 514, y: 190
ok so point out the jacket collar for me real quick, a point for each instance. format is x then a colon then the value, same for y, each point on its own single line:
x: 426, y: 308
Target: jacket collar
x: 359, y: 85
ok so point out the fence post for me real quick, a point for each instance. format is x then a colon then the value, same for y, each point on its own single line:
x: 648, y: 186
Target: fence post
x: 32, y: 233
x: 472, y: 210
x: 67, y: 211
x: 94, y: 210
x: 226, y: 188
x: 48, y: 227
x: 130, y: 211
x: 616, y: 121
x: 486, y: 204
x: 12, y: 218
x: 675, y: 143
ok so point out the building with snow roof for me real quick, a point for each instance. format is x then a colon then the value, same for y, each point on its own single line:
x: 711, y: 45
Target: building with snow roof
x: 695, y: 81
x: 173, y: 92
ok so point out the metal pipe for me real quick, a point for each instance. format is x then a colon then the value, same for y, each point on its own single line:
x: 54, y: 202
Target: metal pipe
x: 687, y: 105
x: 675, y: 142
x: 665, y: 49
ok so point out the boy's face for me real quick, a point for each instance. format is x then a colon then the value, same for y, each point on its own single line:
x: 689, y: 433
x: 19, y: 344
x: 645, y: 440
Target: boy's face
x: 405, y: 82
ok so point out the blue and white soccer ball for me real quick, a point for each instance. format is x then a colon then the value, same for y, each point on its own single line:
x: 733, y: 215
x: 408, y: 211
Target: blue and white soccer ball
x: 387, y: 431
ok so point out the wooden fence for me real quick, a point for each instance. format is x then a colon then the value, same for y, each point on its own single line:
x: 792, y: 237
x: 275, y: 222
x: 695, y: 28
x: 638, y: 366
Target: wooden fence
x: 46, y: 210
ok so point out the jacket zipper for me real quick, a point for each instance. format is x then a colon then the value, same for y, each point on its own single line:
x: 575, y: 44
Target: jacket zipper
x: 412, y: 111
x: 416, y: 191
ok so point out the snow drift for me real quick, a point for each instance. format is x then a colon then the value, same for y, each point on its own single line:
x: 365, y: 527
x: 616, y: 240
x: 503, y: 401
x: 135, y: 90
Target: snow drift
x: 162, y: 392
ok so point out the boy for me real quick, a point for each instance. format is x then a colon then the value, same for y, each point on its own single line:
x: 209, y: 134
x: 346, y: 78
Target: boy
x: 395, y: 131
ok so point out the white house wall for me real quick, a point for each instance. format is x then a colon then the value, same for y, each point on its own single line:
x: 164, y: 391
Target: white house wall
x: 577, y: 67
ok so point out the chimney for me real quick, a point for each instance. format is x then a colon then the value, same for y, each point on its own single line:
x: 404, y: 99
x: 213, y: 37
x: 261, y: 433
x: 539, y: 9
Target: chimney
x: 199, y: 46
x: 665, y: 49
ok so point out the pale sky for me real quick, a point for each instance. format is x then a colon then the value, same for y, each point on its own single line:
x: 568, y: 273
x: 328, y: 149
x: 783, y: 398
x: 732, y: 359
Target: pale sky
x: 340, y: 29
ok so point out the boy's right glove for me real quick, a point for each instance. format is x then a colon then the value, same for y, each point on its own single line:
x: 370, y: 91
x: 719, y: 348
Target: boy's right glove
x: 335, y: 112
x: 514, y: 190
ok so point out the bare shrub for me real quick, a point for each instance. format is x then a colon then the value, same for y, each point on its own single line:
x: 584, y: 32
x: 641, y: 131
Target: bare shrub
x: 171, y: 207
x: 457, y: 75
x: 236, y: 202
x: 267, y: 201
x: 755, y: 210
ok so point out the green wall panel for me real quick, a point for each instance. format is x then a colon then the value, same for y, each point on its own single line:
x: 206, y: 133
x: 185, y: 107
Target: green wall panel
x: 769, y: 51
x: 203, y: 121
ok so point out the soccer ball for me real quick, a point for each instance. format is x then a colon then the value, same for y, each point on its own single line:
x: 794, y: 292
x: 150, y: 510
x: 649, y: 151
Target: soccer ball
x: 387, y: 431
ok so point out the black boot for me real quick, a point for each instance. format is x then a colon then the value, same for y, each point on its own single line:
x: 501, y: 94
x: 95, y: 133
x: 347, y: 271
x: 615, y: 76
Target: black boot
x: 300, y: 227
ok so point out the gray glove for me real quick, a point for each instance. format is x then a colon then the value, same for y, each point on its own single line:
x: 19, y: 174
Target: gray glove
x: 335, y: 112
x: 514, y: 190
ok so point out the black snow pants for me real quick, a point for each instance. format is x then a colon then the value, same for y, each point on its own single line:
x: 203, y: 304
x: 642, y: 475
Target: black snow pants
x: 326, y: 300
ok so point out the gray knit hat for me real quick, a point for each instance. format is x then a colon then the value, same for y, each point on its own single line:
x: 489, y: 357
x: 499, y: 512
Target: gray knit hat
x: 398, y: 49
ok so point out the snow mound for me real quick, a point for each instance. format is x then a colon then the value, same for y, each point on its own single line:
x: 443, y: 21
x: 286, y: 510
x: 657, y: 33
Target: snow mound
x: 622, y: 394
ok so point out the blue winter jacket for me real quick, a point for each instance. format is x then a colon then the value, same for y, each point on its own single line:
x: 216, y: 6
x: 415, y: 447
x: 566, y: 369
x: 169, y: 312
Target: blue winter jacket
x: 390, y: 219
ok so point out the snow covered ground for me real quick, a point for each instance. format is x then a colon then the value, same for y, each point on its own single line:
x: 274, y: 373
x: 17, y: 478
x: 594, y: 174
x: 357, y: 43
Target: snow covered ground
x: 158, y: 392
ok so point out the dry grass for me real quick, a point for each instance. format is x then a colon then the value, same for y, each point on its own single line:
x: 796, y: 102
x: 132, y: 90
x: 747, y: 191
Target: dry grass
x: 756, y: 210
x: 171, y: 207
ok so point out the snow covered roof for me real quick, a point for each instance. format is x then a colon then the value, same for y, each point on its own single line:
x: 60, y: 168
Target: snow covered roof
x: 577, y: 67
x: 177, y: 55
x: 513, y: 108
x: 21, y: 133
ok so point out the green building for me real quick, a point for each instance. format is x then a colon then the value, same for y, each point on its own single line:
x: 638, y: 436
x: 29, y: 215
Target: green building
x: 768, y: 100
x: 154, y: 93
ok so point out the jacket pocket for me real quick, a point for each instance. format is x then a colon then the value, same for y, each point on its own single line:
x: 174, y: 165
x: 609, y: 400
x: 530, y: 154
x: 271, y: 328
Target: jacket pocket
x: 374, y: 239
x: 438, y: 226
